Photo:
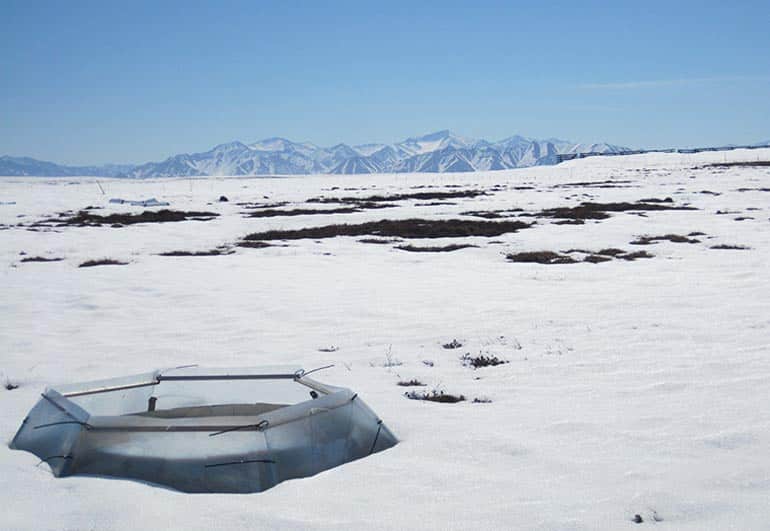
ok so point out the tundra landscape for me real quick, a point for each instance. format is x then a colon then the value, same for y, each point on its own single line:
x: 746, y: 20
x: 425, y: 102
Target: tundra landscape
x: 578, y: 346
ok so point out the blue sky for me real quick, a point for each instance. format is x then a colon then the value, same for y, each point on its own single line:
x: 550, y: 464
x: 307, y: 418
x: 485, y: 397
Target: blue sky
x: 95, y: 82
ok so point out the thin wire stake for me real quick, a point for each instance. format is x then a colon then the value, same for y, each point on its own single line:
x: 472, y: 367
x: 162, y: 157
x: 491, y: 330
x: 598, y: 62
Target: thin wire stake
x: 302, y: 373
x: 259, y: 426
x: 86, y: 425
x: 241, y: 462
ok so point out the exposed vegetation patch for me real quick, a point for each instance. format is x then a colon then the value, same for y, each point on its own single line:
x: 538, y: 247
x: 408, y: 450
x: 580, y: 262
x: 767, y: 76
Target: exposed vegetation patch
x: 635, y: 255
x: 753, y: 190
x: 422, y: 196
x: 492, y: 214
x: 541, y: 257
x: 380, y: 241
x: 611, y: 251
x: 88, y: 219
x: 481, y: 361
x: 595, y: 184
x: 254, y: 244
x: 272, y: 213
x: 435, y: 249
x: 452, y: 345
x: 591, y: 210
x: 592, y: 257
x: 404, y: 228
x: 263, y: 205
x: 212, y: 252
x: 675, y: 238
x: 102, y: 262
x: 596, y: 259
x: 434, y: 396
x: 40, y: 259
x: 414, y: 382
x: 656, y: 200
x: 731, y: 247
x: 746, y: 164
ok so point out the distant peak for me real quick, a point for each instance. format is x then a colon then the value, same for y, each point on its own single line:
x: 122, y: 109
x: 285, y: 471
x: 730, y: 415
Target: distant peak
x: 437, y: 135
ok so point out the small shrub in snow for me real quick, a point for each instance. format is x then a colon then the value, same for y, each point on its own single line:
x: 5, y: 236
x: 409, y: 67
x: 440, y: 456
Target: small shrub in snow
x: 434, y: 396
x: 481, y: 361
x: 482, y: 400
x: 730, y: 247
x: 452, y: 344
x: 414, y: 382
x: 104, y: 261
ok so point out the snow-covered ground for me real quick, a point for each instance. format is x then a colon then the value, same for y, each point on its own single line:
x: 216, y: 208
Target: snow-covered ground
x: 634, y: 387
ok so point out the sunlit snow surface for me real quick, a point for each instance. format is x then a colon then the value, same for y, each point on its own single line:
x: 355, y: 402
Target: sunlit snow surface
x: 634, y: 387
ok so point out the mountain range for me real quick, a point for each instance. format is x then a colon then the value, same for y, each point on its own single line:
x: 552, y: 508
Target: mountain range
x: 439, y: 152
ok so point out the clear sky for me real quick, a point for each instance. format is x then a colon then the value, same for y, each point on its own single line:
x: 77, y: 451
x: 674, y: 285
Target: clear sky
x: 108, y: 81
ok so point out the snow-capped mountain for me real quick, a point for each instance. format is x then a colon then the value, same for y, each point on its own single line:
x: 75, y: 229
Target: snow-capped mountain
x: 20, y: 166
x: 442, y: 151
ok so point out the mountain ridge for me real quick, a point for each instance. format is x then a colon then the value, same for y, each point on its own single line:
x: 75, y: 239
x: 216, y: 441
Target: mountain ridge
x: 440, y: 151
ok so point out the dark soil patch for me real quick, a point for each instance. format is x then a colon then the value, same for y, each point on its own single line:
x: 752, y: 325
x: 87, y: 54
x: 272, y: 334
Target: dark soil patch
x: 590, y: 210
x: 422, y: 196
x: 434, y: 396
x: 436, y: 249
x: 87, y: 219
x: 696, y: 233
x: 102, y: 262
x: 743, y: 218
x: 435, y: 203
x: 40, y: 259
x: 482, y: 361
x: 212, y: 252
x: 452, y: 345
x: 675, y: 238
x: 411, y: 383
x: 731, y: 247
x: 405, y: 228
x: 10, y: 387
x: 709, y: 192
x: 541, y: 257
x: 753, y: 190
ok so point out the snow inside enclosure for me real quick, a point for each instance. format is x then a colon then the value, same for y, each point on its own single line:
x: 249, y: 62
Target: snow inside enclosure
x: 631, y: 386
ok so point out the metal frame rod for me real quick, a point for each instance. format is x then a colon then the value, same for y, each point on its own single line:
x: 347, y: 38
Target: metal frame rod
x: 228, y: 377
